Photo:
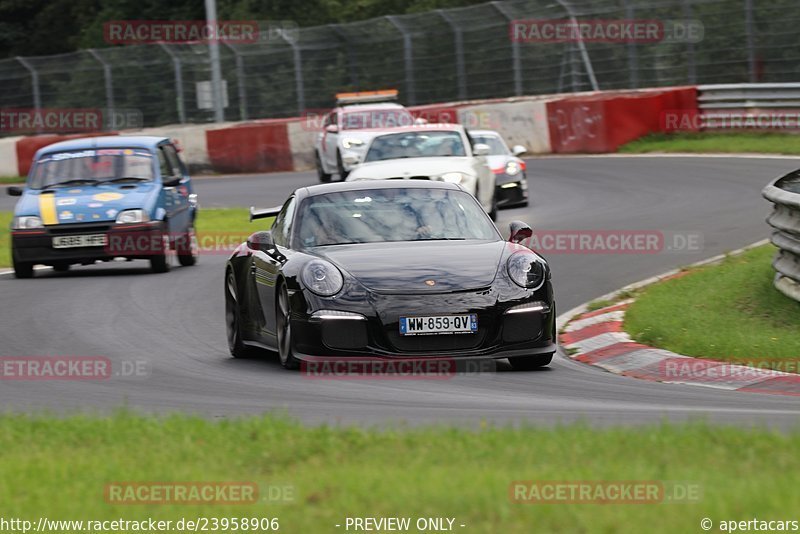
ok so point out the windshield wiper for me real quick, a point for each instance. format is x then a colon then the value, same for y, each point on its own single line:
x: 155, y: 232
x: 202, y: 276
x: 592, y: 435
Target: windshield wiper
x: 441, y: 239
x: 126, y: 178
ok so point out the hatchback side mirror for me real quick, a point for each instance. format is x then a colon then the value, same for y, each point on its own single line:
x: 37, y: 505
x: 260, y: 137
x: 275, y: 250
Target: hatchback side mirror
x: 14, y: 191
x: 332, y: 128
x: 520, y: 231
x: 481, y: 149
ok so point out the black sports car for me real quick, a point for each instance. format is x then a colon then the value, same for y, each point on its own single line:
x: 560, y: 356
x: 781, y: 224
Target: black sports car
x: 388, y: 269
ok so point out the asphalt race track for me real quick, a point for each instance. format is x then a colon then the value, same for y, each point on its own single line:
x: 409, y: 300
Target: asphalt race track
x: 174, y: 321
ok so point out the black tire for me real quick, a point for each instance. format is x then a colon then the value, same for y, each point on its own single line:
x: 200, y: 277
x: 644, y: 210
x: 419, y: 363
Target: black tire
x: 160, y: 262
x: 22, y: 269
x: 340, y: 167
x: 283, y: 314
x: 233, y: 319
x: 187, y: 248
x: 321, y: 174
x: 61, y: 267
x: 530, y: 363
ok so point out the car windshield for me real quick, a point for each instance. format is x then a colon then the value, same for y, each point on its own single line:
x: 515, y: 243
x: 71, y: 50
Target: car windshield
x: 388, y: 215
x: 422, y: 144
x: 496, y: 145
x: 92, y: 166
x: 376, y: 118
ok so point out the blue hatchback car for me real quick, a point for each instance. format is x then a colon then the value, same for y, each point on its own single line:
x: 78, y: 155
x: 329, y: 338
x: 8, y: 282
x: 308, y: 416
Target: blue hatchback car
x: 101, y: 198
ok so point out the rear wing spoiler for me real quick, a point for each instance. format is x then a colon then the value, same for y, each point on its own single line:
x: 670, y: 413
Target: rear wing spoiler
x: 264, y: 213
x: 366, y: 97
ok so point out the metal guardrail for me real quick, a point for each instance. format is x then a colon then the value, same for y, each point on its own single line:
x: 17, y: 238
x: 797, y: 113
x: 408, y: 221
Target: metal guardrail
x: 726, y: 104
x: 784, y: 193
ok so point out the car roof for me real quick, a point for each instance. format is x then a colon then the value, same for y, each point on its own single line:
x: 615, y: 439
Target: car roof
x: 361, y: 185
x: 106, y: 141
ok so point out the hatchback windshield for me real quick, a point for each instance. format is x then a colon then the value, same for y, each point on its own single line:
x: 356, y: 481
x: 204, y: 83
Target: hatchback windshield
x: 496, y: 146
x: 422, y: 144
x: 383, y: 215
x: 92, y: 166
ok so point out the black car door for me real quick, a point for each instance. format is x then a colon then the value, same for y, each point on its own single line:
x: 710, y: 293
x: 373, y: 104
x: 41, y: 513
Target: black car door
x: 267, y: 264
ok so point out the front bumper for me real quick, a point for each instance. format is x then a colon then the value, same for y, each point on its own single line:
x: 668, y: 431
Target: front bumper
x: 36, y: 246
x: 511, y: 190
x: 376, y: 334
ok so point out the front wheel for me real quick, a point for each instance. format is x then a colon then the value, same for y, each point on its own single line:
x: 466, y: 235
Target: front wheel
x: 284, y: 315
x: 160, y: 262
x: 340, y: 167
x: 22, y: 269
x: 529, y: 363
x: 323, y: 176
x: 187, y: 248
x: 233, y: 319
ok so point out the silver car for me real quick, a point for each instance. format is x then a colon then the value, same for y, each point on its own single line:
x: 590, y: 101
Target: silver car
x: 508, y: 168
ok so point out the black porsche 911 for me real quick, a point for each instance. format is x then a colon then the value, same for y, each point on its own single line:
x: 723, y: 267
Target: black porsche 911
x: 391, y: 270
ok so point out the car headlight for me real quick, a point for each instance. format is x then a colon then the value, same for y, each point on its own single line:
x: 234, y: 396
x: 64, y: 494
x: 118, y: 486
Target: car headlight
x: 512, y: 168
x: 322, y: 277
x: 27, y: 223
x: 350, y: 142
x: 132, y: 216
x: 526, y: 270
x: 453, y: 177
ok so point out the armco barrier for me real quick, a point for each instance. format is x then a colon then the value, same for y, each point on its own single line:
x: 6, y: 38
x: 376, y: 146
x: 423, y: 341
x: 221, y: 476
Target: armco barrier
x: 784, y: 193
x: 27, y: 147
x: 254, y: 147
x: 600, y: 123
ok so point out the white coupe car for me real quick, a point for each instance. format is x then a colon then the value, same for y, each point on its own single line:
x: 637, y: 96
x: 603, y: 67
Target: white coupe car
x: 442, y: 152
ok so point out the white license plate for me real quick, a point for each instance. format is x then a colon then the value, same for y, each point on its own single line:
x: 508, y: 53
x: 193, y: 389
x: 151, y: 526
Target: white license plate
x: 439, y: 324
x: 75, y: 241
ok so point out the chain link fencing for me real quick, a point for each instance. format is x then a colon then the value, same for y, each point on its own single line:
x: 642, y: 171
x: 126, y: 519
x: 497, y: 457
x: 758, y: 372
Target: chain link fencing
x: 439, y: 56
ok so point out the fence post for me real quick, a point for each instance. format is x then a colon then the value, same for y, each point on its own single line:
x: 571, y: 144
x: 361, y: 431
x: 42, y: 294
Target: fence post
x: 108, y: 80
x: 352, y: 62
x: 408, y: 56
x: 458, y: 41
x: 691, y: 67
x: 240, y: 81
x: 37, y: 95
x: 516, y: 64
x: 176, y: 63
x: 633, y: 52
x: 298, y: 71
x: 587, y: 62
x: 749, y: 27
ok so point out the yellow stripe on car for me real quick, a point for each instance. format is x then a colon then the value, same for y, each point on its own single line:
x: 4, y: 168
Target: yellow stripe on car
x: 47, y: 208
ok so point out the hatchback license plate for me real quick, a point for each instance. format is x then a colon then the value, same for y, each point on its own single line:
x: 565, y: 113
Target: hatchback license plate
x: 75, y: 241
x: 439, y: 324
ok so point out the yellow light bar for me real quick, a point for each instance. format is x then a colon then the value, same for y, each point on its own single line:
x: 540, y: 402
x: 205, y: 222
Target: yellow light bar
x: 366, y: 96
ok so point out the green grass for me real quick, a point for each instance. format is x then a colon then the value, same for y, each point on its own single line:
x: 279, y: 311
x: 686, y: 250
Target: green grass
x: 230, y: 224
x: 12, y: 179
x: 59, y: 468
x: 732, y: 142
x: 728, y: 312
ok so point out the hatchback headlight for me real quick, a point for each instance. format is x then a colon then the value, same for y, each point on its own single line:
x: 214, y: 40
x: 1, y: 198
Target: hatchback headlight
x: 27, y: 223
x: 132, y: 216
x: 322, y: 277
x: 526, y: 269
x: 513, y: 168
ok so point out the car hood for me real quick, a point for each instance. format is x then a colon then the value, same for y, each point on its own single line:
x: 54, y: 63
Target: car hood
x: 410, y: 167
x: 409, y: 267
x: 86, y: 203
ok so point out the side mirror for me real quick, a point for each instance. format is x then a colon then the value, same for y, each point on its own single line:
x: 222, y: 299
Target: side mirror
x: 350, y: 159
x: 332, y: 128
x: 518, y: 150
x: 261, y: 241
x: 172, y: 181
x: 14, y: 191
x: 481, y: 149
x: 520, y: 231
